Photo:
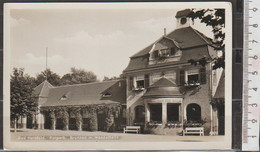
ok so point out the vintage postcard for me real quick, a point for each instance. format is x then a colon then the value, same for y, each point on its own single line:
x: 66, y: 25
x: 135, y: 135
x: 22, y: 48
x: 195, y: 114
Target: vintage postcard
x: 117, y: 76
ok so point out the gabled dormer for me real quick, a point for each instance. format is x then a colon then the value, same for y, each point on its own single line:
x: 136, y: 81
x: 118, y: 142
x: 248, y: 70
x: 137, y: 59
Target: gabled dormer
x: 164, y: 50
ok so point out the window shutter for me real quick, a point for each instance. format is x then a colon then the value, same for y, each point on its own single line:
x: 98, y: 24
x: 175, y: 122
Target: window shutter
x: 203, y: 76
x: 172, y: 51
x: 156, y: 54
x: 146, y: 81
x: 131, y: 83
x: 182, y: 77
x: 177, y: 80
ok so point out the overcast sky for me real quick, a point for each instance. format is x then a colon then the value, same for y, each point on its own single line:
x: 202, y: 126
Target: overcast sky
x: 95, y: 40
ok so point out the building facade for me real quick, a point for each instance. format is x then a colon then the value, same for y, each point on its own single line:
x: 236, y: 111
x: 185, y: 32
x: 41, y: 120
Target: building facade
x: 98, y: 106
x: 165, y: 93
x: 161, y: 91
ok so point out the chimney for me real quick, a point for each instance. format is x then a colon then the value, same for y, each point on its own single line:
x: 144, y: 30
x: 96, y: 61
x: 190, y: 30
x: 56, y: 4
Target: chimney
x: 164, y: 31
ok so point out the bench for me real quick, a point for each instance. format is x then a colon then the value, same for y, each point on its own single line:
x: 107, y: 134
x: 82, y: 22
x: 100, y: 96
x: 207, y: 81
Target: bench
x: 193, y: 131
x: 135, y: 129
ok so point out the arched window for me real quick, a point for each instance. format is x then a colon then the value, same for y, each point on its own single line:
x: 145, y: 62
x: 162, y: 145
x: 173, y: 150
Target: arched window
x: 193, y: 112
x: 139, y: 114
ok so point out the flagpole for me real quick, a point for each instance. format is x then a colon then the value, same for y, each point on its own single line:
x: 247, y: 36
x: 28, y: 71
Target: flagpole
x: 46, y: 63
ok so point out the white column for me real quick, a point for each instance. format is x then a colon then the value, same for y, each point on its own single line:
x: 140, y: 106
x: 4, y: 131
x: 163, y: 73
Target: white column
x: 24, y: 122
x: 38, y: 120
x: 211, y: 122
x: 41, y: 121
x: 147, y: 113
x: 164, y: 112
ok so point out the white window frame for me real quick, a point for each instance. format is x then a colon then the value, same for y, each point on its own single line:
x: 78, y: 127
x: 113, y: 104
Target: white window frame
x: 138, y: 78
x: 192, y: 72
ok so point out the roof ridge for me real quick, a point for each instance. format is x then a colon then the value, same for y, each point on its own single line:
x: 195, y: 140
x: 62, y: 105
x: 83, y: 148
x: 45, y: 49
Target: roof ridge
x: 200, y: 35
x: 147, y: 47
x: 175, y: 42
x: 38, y: 85
x: 42, y: 87
x: 81, y: 84
x: 49, y: 83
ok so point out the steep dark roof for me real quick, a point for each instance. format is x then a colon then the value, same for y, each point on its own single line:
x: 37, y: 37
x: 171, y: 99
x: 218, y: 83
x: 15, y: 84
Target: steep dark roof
x: 191, y: 53
x: 137, y: 63
x: 81, y: 94
x: 220, y: 92
x: 42, y: 90
x: 185, y: 38
x: 163, y: 88
x: 183, y: 13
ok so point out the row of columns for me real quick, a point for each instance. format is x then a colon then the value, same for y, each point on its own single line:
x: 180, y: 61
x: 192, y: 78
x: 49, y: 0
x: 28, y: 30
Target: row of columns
x: 36, y: 119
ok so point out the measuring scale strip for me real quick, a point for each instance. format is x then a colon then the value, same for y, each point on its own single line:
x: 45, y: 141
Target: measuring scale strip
x: 251, y: 81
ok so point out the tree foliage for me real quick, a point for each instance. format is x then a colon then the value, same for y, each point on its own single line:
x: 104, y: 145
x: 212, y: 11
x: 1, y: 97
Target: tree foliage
x: 216, y: 19
x: 22, y: 98
x: 109, y: 79
x: 51, y: 77
x: 77, y: 76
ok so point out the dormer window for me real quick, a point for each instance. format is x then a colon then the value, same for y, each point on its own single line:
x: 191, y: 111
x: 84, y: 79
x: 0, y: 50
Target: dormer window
x: 64, y: 97
x: 107, y: 95
x: 164, y: 53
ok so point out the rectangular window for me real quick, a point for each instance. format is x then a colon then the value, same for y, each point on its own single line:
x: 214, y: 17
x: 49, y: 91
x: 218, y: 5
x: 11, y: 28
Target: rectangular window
x: 140, y: 84
x: 192, y: 76
x: 156, y: 112
x: 165, y: 53
x: 140, y: 81
x: 146, y: 81
x: 172, y: 112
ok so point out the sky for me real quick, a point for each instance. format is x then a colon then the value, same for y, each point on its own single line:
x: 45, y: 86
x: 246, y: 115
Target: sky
x: 97, y: 40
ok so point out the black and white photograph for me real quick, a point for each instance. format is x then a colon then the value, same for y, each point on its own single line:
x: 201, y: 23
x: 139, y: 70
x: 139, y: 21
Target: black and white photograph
x: 132, y: 76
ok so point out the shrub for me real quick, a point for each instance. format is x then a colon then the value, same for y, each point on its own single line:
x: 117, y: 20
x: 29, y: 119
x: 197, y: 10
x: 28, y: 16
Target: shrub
x: 109, y: 123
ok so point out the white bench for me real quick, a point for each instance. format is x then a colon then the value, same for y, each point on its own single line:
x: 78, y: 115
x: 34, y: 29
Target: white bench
x: 193, y: 131
x: 135, y: 129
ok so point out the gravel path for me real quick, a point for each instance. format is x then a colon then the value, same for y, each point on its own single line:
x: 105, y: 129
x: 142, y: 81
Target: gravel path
x: 60, y: 135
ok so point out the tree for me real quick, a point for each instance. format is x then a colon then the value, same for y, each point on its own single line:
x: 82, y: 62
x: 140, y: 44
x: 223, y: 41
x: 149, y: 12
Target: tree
x: 77, y: 76
x: 51, y: 77
x: 109, y: 79
x: 22, y: 99
x: 216, y: 19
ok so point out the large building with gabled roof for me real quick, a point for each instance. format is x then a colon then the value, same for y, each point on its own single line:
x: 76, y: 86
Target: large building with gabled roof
x: 165, y: 93
x: 161, y: 91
